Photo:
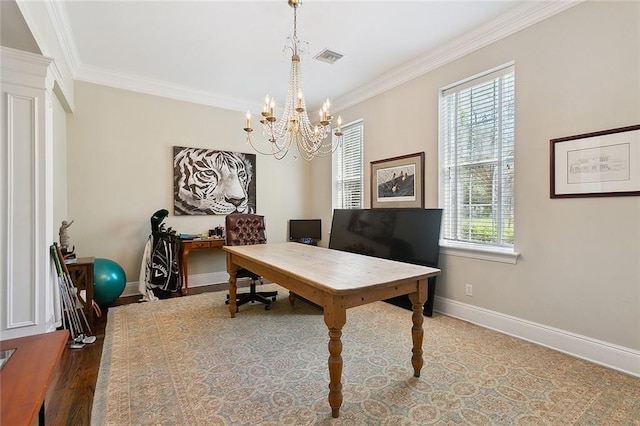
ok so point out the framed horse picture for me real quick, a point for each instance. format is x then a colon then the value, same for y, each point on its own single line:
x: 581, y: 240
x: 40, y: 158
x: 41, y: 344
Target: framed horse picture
x: 398, y: 182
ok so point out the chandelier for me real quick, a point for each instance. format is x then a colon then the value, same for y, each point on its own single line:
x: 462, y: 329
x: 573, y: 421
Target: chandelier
x: 294, y: 126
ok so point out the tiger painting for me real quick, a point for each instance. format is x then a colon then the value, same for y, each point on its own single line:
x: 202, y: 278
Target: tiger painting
x: 209, y: 182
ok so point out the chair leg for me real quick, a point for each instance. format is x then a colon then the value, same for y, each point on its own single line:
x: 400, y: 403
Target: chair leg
x: 265, y: 297
x: 264, y: 294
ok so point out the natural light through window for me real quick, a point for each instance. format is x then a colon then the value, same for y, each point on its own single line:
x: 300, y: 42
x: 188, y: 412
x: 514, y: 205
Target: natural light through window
x: 348, y: 168
x: 477, y: 119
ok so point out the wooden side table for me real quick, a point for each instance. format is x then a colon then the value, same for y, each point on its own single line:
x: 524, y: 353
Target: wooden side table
x: 81, y: 273
x: 27, y: 374
x: 194, y: 245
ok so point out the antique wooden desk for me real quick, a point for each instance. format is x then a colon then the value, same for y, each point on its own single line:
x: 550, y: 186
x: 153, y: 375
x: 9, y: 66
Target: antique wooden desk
x: 187, y: 246
x: 27, y: 374
x: 81, y: 273
x: 335, y: 280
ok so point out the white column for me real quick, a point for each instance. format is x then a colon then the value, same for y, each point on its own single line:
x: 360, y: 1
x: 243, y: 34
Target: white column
x: 26, y: 156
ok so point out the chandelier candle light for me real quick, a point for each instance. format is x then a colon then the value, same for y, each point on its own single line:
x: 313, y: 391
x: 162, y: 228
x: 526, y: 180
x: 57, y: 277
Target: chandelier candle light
x: 313, y: 140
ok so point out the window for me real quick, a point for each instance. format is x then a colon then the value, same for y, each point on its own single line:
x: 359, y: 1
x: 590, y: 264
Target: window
x: 476, y: 161
x: 347, y: 168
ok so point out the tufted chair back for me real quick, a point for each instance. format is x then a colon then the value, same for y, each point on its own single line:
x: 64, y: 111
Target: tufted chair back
x: 242, y: 230
x: 245, y: 229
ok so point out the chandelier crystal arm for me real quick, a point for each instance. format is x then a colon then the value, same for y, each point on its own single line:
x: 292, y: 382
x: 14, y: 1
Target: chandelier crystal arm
x: 294, y: 126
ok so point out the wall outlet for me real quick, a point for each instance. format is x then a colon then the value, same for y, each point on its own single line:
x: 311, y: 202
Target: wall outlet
x: 468, y: 289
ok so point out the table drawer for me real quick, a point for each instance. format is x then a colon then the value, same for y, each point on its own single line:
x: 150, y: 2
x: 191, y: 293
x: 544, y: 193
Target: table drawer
x: 194, y: 245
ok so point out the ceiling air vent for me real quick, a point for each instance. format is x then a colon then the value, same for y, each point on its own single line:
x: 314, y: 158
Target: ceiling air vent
x: 328, y: 56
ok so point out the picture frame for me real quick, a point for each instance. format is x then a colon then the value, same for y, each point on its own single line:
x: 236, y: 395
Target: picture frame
x: 598, y: 164
x: 213, y: 182
x: 398, y: 182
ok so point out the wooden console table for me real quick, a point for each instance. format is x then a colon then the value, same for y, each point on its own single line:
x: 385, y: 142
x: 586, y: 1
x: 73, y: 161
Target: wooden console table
x: 81, y: 273
x: 27, y: 374
x: 194, y: 245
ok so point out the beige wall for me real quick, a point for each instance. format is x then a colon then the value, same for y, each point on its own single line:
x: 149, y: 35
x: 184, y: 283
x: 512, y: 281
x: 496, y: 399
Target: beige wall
x: 119, y: 157
x: 577, y: 72
x: 579, y: 269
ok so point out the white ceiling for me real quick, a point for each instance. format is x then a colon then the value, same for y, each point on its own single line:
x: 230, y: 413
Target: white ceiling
x: 230, y: 53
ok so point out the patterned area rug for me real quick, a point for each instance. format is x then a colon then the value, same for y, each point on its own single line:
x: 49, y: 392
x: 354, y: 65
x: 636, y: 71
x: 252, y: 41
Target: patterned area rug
x: 184, y: 361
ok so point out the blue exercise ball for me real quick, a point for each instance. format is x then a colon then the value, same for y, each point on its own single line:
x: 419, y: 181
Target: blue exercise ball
x: 109, y: 281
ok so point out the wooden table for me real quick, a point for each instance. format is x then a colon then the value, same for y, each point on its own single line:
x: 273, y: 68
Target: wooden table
x: 194, y: 245
x: 26, y: 375
x: 81, y: 272
x: 335, y: 280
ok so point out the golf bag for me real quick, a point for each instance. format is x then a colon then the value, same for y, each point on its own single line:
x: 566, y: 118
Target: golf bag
x: 160, y: 269
x: 165, y: 271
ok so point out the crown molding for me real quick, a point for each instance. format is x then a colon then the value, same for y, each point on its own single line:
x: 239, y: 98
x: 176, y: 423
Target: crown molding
x: 41, y: 23
x: 161, y: 88
x: 24, y: 68
x: 10, y: 56
x: 519, y: 18
x: 62, y: 27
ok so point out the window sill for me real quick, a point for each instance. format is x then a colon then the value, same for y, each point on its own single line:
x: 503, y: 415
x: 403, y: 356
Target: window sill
x: 477, y: 251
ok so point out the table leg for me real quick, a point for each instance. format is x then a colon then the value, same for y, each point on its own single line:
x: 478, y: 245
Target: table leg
x: 89, y: 293
x: 417, y: 332
x: 233, y: 307
x: 183, y: 266
x: 335, y: 317
x: 292, y: 298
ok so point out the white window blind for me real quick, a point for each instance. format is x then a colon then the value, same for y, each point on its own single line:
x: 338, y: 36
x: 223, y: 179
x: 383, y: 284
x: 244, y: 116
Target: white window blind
x: 477, y: 151
x: 348, y: 167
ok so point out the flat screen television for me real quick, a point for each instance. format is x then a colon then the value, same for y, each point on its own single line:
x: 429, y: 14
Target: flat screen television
x: 305, y: 229
x: 405, y: 235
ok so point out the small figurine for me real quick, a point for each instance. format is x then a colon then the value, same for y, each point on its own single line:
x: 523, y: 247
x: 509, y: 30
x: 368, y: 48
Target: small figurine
x: 64, y: 236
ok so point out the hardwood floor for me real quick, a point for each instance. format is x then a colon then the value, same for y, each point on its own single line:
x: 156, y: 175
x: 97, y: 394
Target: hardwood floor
x: 70, y: 398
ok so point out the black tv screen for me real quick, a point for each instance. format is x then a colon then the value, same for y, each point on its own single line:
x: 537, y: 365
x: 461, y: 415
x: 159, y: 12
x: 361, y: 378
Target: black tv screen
x: 406, y: 235
x: 305, y: 228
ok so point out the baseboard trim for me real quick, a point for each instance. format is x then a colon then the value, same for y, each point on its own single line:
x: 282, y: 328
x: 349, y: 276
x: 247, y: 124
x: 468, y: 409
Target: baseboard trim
x: 196, y: 280
x: 609, y: 355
